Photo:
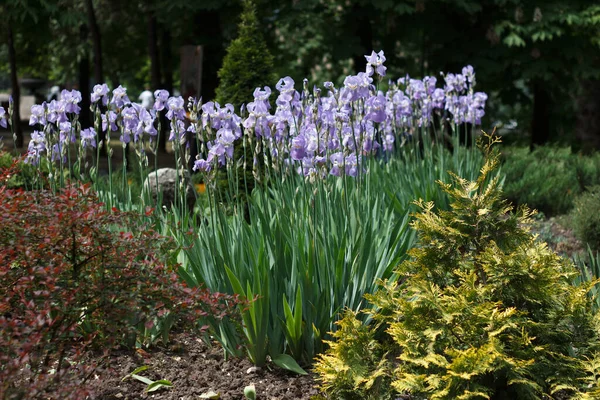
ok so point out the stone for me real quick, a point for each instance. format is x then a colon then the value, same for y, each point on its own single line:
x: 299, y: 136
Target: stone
x: 167, y: 181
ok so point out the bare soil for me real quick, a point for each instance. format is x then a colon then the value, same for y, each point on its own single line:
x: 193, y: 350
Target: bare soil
x: 196, y: 369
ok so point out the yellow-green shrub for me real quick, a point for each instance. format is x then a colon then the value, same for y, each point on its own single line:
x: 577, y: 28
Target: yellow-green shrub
x: 480, y: 310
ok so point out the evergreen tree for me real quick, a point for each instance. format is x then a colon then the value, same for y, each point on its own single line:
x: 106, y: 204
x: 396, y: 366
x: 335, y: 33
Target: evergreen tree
x: 248, y: 63
x: 482, y: 310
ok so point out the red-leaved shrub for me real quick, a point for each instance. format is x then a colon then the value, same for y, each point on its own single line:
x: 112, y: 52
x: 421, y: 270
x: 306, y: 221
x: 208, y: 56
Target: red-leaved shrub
x: 75, y: 277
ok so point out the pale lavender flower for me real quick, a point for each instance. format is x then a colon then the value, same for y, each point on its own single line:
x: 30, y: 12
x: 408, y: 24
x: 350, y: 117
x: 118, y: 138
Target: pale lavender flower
x: 37, y: 145
x: 57, y: 153
x: 119, y: 98
x: 388, y: 142
x: 375, y: 63
x: 88, y: 138
x: 71, y: 99
x: 356, y: 87
x: 2, y: 117
x: 202, y: 165
x: 130, y: 118
x: 100, y: 93
x: 298, y: 151
x: 66, y: 132
x: 109, y: 120
x: 175, y: 106
x: 177, y: 130
x: 337, y: 163
x: 161, y: 96
x: 375, y: 108
x: 286, y: 89
x: 469, y: 75
x: 37, y: 114
x: 57, y: 112
x: 146, y: 122
x: 438, y: 97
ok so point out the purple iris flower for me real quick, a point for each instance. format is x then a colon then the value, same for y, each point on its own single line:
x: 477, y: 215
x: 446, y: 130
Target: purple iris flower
x: 388, y: 142
x: 176, y: 110
x: 57, y: 112
x: 469, y: 75
x: 356, y: 87
x: 100, y: 92
x: 161, y: 96
x: 329, y: 86
x: 146, y: 122
x: 71, y: 100
x: 130, y: 118
x: 337, y: 163
x: 177, y: 130
x: 376, y: 108
x: 209, y: 114
x: 262, y: 95
x: 298, y: 151
x: 202, y: 165
x: 375, y: 63
x: 88, y: 137
x: 438, y: 97
x: 119, y: 98
x: 109, y: 121
x: 66, y: 133
x: 57, y: 152
x: 2, y: 117
x: 225, y: 138
x: 352, y: 88
x: 37, y: 115
x: 352, y: 165
x: 287, y: 92
x: 37, y: 145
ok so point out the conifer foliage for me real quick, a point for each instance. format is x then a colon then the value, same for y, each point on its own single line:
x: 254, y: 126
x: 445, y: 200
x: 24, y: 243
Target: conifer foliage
x: 481, y: 310
x: 248, y: 63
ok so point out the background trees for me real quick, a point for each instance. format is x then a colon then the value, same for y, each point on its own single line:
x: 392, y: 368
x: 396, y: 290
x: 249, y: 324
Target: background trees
x: 538, y: 60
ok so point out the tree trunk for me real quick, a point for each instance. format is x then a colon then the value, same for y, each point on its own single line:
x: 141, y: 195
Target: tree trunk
x: 363, y: 31
x: 208, y: 32
x: 153, y: 53
x: 167, y: 83
x: 540, y: 124
x: 84, y: 84
x: 96, y: 41
x: 166, y: 60
x: 588, y: 116
x: 16, y: 90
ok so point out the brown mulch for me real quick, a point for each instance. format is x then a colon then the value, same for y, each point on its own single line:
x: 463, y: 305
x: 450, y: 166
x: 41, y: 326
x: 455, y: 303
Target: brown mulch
x: 195, y: 369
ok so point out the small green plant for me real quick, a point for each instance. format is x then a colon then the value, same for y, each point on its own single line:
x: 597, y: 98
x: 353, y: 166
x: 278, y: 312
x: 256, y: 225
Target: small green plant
x: 586, y: 217
x: 250, y: 392
x: 481, y: 310
x: 152, y: 386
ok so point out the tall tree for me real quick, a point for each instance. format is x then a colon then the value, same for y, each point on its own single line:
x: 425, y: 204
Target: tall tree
x: 153, y: 51
x: 96, y: 40
x: 14, y: 15
x: 15, y: 88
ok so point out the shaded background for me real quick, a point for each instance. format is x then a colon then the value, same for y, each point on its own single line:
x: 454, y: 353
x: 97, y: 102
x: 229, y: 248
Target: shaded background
x: 538, y: 60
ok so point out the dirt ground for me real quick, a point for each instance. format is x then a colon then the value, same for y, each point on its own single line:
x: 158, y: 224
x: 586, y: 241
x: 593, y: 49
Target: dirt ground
x: 196, y: 369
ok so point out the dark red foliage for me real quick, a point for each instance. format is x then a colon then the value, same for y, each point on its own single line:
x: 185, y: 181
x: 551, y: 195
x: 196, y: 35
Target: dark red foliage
x: 74, y: 278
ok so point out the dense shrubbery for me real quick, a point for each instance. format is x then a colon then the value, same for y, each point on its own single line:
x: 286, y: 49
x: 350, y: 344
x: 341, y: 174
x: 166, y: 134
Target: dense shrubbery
x: 549, y: 178
x: 480, y: 310
x: 586, y: 217
x: 76, y: 277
